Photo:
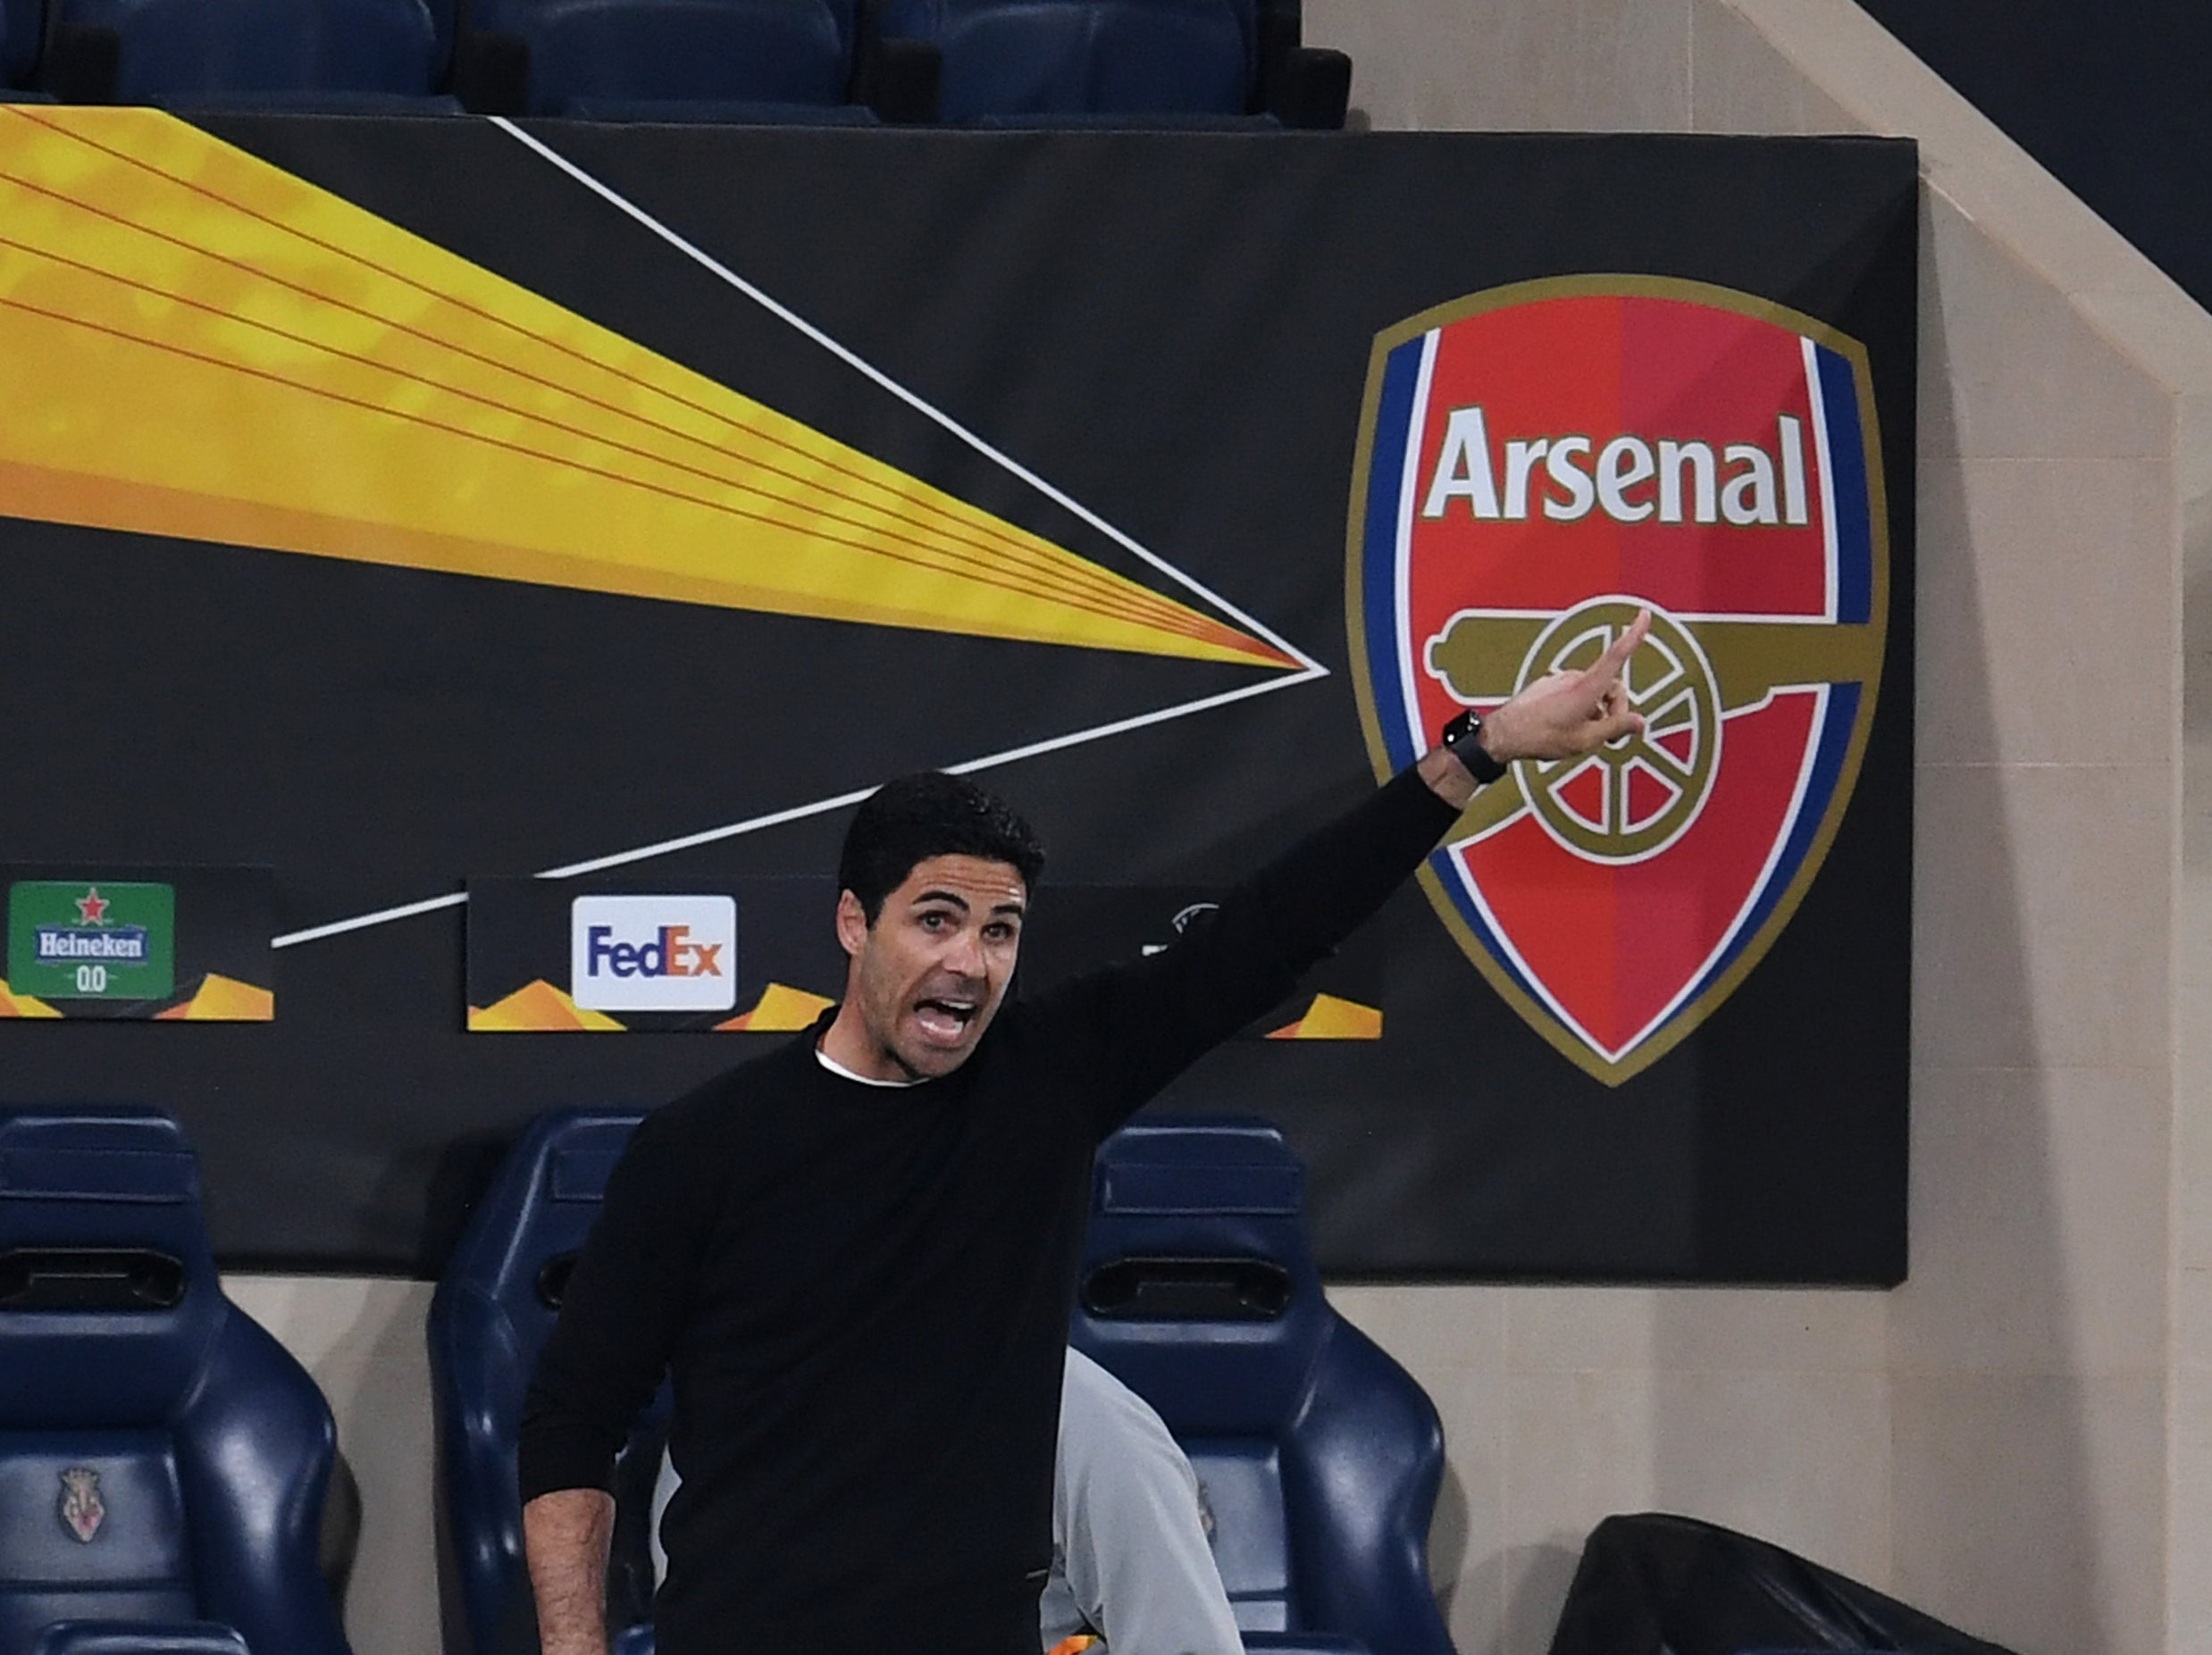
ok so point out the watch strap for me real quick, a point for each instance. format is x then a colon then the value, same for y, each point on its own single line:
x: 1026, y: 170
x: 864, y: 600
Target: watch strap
x: 1462, y: 738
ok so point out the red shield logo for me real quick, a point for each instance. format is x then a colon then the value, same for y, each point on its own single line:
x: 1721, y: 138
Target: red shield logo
x: 1535, y: 463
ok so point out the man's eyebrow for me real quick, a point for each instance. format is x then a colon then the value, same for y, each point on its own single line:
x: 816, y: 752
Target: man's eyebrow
x: 1012, y: 906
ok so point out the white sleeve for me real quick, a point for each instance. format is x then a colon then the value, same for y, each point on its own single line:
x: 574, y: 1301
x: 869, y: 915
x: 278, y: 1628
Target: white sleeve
x: 1127, y: 1525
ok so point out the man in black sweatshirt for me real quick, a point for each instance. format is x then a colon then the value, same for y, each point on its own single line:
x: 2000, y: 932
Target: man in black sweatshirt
x: 857, y: 1254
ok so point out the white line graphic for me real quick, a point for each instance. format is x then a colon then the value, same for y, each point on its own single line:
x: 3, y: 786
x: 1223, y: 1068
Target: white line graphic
x: 776, y: 818
x: 869, y: 370
x: 1309, y: 669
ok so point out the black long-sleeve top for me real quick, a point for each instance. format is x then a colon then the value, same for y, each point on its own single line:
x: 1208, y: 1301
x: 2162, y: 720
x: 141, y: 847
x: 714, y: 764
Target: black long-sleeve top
x: 863, y: 1293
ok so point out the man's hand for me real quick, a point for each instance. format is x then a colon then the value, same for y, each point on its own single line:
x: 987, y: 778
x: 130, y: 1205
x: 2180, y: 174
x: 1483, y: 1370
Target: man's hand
x: 1561, y: 716
x: 1570, y: 714
x: 564, y: 1535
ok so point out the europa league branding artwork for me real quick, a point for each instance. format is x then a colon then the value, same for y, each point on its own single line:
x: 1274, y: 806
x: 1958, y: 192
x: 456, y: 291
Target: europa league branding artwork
x: 1539, y: 462
x: 603, y: 522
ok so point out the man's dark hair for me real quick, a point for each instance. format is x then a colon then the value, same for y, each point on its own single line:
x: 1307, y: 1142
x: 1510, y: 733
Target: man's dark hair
x: 906, y: 821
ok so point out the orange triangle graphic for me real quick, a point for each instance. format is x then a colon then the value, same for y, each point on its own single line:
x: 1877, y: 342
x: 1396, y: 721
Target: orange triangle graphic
x: 1329, y: 1018
x: 223, y: 999
x: 537, y: 1007
x: 781, y: 1008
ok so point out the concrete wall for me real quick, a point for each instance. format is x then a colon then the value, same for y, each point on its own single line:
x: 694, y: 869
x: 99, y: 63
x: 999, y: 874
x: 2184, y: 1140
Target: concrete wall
x: 2020, y: 1438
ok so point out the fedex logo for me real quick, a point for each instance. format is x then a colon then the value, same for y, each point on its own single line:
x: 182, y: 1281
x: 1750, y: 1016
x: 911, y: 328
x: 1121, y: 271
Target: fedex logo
x: 653, y: 953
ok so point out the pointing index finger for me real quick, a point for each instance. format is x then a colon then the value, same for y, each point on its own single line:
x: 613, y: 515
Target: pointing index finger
x: 1606, y: 668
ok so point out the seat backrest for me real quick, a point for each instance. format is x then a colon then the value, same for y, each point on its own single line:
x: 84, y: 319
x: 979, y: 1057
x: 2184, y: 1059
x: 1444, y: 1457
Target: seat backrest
x: 1319, y: 1456
x: 1086, y: 57
x: 694, y: 51
x: 179, y: 1455
x: 22, y: 25
x: 174, y: 49
x: 492, y: 1312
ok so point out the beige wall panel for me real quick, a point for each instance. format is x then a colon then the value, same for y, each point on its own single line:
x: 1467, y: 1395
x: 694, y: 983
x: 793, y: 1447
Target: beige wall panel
x: 2039, y: 579
x: 2189, y: 1600
x: 363, y: 1340
x: 1573, y: 65
x: 1739, y: 82
x: 2041, y: 907
x: 1696, y: 1329
x: 2038, y: 1223
x: 1580, y: 1445
x: 2010, y: 368
x: 2030, y: 1508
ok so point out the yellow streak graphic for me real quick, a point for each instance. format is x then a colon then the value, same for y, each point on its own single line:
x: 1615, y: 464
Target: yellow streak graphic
x: 15, y: 1004
x: 198, y: 345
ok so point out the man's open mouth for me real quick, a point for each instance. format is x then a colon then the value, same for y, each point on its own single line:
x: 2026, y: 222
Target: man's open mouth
x: 945, y: 1020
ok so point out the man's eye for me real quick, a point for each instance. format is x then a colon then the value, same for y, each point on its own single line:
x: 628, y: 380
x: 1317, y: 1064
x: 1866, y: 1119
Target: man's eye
x: 933, y: 921
x: 999, y: 930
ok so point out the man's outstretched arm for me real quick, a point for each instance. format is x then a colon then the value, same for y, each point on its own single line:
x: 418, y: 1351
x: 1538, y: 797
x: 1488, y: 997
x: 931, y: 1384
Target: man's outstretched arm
x: 565, y: 1536
x: 1128, y: 1030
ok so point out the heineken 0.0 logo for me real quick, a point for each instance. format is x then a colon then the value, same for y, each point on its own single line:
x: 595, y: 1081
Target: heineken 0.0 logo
x: 92, y: 939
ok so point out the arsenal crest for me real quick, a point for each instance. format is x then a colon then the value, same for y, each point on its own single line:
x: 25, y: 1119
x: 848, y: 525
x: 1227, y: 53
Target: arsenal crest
x: 81, y: 1510
x: 1539, y: 462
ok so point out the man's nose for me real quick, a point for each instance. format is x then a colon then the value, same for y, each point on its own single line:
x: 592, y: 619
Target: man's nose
x: 964, y: 953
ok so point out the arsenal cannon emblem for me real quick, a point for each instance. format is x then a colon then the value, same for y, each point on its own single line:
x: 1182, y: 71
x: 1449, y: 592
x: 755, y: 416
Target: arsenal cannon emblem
x: 1537, y: 463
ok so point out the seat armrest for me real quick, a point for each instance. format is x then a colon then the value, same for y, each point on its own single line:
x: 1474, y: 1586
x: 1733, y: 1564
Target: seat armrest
x: 491, y: 72
x: 115, y: 1637
x: 82, y: 63
x: 1308, y: 87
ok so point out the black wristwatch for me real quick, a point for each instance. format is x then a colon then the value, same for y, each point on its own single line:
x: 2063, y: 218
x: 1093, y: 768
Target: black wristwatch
x: 1462, y: 738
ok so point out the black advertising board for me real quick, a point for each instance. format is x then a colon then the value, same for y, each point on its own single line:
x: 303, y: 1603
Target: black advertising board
x: 620, y: 503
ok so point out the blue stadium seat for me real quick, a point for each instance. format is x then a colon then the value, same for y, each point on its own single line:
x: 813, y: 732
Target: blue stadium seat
x: 1119, y: 62
x: 756, y: 60
x: 1320, y: 1455
x: 364, y: 56
x: 106, y: 1638
x: 494, y: 1308
x: 22, y: 25
x: 164, y: 1462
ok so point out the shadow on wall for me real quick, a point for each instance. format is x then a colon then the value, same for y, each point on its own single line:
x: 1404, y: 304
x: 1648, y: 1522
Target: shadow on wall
x: 1447, y: 1536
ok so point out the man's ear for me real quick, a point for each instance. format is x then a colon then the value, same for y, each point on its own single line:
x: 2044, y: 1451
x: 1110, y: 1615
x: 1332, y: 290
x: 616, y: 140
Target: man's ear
x: 851, y: 923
